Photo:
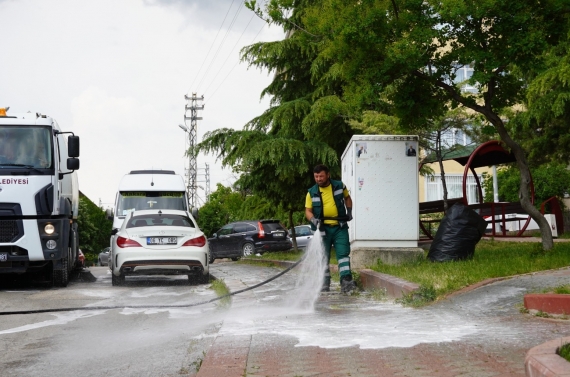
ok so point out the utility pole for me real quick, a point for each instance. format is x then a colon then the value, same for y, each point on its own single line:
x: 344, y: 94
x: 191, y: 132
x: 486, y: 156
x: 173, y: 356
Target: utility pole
x: 207, y: 189
x: 191, y: 114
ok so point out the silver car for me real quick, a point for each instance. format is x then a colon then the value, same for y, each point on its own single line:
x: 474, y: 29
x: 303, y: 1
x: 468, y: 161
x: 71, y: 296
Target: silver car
x: 104, y: 257
x: 303, y: 234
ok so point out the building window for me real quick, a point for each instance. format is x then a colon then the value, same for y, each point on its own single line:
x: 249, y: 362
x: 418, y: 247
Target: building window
x: 434, y: 188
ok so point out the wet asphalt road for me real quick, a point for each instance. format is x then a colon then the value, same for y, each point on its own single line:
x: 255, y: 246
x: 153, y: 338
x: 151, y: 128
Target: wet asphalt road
x: 479, y: 333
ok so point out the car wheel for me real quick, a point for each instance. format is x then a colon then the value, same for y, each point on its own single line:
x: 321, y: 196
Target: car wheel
x: 100, y: 262
x: 248, y: 249
x: 199, y: 279
x: 235, y: 259
x: 117, y: 280
x: 211, y: 258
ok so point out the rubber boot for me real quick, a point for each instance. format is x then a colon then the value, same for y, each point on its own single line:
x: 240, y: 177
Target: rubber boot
x: 326, y: 282
x: 347, y: 285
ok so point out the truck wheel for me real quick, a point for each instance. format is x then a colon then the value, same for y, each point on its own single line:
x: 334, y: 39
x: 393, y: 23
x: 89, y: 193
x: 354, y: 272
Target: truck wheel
x: 61, y: 277
x: 117, y: 280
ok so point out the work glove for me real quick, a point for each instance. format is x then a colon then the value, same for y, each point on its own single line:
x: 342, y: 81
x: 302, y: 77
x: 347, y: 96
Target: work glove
x: 349, y: 213
x: 316, y: 222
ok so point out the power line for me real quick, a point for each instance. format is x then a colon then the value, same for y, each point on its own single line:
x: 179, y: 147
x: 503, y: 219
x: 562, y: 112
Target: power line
x: 212, y: 45
x: 220, y: 46
x: 235, y: 65
x: 230, y: 54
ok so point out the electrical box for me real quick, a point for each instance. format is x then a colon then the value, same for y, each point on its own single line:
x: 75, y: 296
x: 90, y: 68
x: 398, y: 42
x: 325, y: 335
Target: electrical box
x: 381, y: 174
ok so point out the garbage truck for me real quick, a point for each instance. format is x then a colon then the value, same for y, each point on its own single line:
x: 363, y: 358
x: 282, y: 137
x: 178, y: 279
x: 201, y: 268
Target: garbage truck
x: 39, y: 197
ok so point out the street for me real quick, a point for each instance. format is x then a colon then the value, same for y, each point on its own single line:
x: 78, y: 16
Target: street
x: 479, y: 333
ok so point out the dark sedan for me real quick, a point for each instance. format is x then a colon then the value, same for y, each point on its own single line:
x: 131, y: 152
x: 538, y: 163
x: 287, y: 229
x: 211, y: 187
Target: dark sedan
x: 244, y: 238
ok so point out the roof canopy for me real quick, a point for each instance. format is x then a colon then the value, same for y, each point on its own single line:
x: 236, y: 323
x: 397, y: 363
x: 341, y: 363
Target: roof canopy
x: 486, y: 154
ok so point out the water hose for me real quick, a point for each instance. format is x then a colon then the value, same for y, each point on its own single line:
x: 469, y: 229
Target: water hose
x: 37, y: 311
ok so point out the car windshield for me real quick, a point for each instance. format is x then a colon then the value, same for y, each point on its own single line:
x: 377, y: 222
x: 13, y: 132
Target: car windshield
x: 25, y: 147
x: 159, y: 220
x: 139, y: 200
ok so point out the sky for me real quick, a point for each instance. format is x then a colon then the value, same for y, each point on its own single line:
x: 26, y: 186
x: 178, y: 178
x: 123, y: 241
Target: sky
x: 116, y: 72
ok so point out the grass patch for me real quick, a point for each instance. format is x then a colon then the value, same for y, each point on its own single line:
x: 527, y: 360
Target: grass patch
x: 221, y: 289
x: 424, y: 295
x: 562, y: 290
x: 564, y: 351
x: 492, y: 259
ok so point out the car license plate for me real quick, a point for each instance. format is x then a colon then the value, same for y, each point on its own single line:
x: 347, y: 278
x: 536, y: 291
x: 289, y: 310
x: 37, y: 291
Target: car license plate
x: 278, y: 234
x: 3, y: 257
x: 161, y: 240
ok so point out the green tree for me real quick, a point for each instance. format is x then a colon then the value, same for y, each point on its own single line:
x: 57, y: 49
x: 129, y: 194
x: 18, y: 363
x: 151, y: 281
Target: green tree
x: 549, y: 180
x: 227, y: 204
x: 94, y: 228
x: 403, y: 57
x: 545, y: 128
x: 223, y: 206
x: 276, y: 151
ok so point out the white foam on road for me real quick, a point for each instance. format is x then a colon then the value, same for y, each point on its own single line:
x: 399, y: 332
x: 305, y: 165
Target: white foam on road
x: 388, y: 325
x: 61, y: 319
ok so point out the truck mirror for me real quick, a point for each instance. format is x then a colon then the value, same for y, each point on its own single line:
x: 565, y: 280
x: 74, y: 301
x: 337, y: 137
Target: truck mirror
x: 195, y: 213
x: 72, y: 164
x: 73, y: 146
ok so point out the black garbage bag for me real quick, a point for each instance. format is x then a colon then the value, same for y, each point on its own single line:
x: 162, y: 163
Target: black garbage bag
x: 459, y: 231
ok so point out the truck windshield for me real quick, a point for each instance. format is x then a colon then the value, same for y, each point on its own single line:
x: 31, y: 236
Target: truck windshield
x: 138, y: 200
x: 25, y: 147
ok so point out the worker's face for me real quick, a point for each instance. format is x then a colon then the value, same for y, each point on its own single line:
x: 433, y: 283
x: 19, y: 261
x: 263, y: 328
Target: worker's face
x: 322, y: 179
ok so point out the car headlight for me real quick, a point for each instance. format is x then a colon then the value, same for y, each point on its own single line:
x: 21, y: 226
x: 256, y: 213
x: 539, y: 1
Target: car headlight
x: 49, y: 229
x: 51, y: 244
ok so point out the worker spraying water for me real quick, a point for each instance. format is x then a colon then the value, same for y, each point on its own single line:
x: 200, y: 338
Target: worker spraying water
x: 328, y: 206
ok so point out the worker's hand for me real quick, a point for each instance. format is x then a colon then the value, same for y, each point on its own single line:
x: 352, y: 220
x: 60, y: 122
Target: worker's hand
x: 349, y: 213
x: 316, y: 222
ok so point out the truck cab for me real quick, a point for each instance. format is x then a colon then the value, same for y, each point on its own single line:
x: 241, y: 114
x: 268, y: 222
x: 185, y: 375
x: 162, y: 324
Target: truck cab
x: 39, y: 196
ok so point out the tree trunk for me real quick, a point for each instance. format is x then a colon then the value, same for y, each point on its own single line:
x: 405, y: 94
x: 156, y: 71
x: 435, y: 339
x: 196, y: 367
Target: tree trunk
x: 441, y: 170
x: 292, y: 227
x: 524, y: 189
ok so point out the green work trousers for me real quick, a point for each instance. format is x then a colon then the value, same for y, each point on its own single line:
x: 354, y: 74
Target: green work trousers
x: 337, y: 236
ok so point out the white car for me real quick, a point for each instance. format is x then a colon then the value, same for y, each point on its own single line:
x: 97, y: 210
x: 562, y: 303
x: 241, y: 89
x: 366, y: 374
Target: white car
x: 159, y: 242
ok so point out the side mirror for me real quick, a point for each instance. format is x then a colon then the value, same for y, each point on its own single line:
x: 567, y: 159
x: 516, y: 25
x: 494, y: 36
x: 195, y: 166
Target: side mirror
x: 73, y: 146
x: 114, y: 231
x: 215, y: 235
x: 195, y: 213
x: 72, y: 164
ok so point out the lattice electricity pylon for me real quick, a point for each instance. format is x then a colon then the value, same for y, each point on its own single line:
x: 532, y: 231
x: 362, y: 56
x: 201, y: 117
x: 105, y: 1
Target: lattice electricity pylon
x: 191, y: 114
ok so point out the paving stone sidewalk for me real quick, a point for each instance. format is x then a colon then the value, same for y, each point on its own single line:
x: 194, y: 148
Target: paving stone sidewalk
x: 479, y: 333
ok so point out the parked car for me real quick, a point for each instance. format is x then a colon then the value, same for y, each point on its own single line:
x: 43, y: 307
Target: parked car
x: 244, y: 238
x: 303, y: 234
x: 159, y: 242
x: 104, y: 257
